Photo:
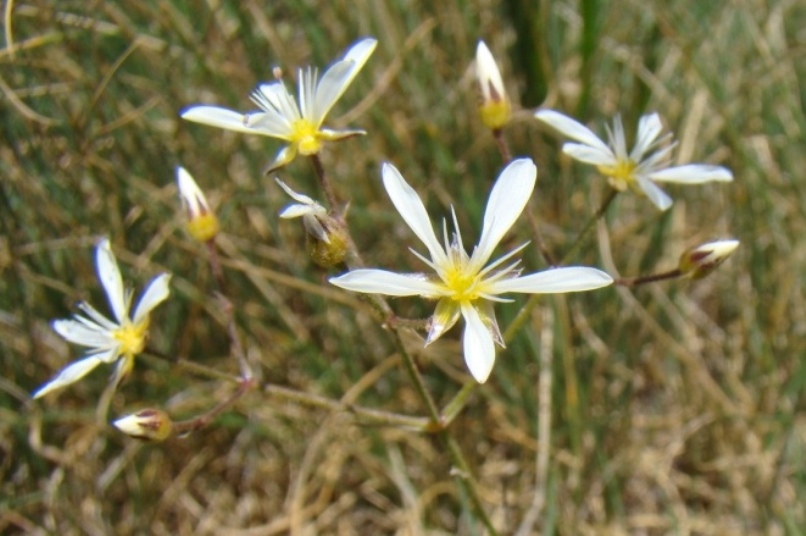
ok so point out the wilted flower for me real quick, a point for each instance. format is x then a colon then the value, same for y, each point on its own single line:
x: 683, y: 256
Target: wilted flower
x: 119, y: 340
x: 281, y: 117
x: 495, y: 108
x: 467, y: 285
x: 328, y: 244
x: 641, y: 168
x: 701, y: 260
x: 147, y: 424
x: 202, y: 223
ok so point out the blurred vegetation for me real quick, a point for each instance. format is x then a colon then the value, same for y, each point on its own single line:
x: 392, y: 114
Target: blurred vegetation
x: 676, y: 407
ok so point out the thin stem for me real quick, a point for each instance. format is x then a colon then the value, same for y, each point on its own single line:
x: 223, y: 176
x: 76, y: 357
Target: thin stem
x: 380, y: 417
x: 197, y: 423
x: 544, y: 410
x: 651, y: 278
x: 503, y: 146
x: 327, y: 188
x: 436, y: 425
x: 506, y: 156
x: 533, y: 300
x: 228, y: 310
x: 600, y: 212
x: 458, y: 402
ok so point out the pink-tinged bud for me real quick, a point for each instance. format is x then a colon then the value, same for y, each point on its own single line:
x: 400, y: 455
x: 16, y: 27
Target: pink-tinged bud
x: 701, y: 260
x: 202, y: 223
x: 495, y: 108
x: 147, y: 424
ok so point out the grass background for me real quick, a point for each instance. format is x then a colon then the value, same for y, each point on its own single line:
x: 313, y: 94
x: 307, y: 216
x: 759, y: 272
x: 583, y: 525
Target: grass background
x: 675, y: 408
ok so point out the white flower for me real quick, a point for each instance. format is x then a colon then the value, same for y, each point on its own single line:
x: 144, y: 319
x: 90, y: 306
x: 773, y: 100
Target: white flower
x: 639, y: 169
x: 467, y: 285
x: 108, y: 340
x: 311, y: 212
x: 495, y: 108
x: 202, y: 222
x: 281, y: 117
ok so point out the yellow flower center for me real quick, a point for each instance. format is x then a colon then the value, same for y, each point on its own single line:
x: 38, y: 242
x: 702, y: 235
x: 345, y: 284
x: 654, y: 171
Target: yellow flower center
x: 132, y: 337
x: 464, y: 286
x: 306, y: 137
x: 621, y: 175
x: 203, y: 227
x: 495, y: 114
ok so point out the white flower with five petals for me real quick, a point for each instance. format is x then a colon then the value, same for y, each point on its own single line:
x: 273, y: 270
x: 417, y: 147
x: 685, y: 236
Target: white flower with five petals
x: 280, y: 116
x: 466, y: 285
x: 639, y: 169
x: 108, y: 340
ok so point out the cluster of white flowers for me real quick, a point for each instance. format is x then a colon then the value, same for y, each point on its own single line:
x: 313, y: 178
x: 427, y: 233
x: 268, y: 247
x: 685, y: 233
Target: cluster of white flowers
x: 462, y: 284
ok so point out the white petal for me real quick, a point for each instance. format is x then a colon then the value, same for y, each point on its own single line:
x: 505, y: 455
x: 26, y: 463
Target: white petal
x: 83, y: 333
x: 329, y: 134
x: 109, y: 274
x: 284, y: 157
x: 508, y: 198
x: 215, y: 116
x: 68, y: 375
x: 190, y: 194
x: 478, y: 345
x: 443, y: 319
x: 590, y: 155
x: 411, y: 208
x: 280, y: 109
x: 649, y: 128
x: 332, y: 86
x: 693, y: 174
x: 339, y: 76
x: 654, y: 193
x: 488, y: 74
x: 571, y: 128
x: 300, y: 198
x: 388, y: 283
x: 556, y: 280
x: 153, y: 295
x: 295, y: 211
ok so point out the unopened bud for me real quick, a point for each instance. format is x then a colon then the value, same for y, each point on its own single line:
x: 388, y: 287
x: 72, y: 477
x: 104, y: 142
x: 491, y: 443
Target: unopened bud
x: 701, y: 260
x: 495, y: 108
x: 327, y: 241
x: 147, y: 424
x: 202, y: 223
x: 331, y: 252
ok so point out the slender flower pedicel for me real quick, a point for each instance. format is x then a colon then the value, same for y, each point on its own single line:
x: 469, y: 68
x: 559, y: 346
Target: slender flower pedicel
x: 202, y: 223
x: 641, y: 168
x: 467, y: 285
x: 280, y: 115
x: 108, y: 341
x: 495, y: 108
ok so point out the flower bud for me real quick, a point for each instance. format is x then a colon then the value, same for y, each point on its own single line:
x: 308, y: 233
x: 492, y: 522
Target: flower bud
x: 701, y: 260
x: 327, y: 241
x: 202, y: 223
x: 331, y: 252
x: 147, y: 424
x: 495, y: 109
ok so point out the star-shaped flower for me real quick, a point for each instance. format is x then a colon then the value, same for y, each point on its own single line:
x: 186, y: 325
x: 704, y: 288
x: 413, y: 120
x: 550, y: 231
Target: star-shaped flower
x: 467, y: 285
x: 641, y: 168
x: 280, y: 115
x: 108, y: 341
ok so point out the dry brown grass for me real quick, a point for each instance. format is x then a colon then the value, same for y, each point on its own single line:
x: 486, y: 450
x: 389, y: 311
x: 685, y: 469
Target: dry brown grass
x: 676, y: 408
